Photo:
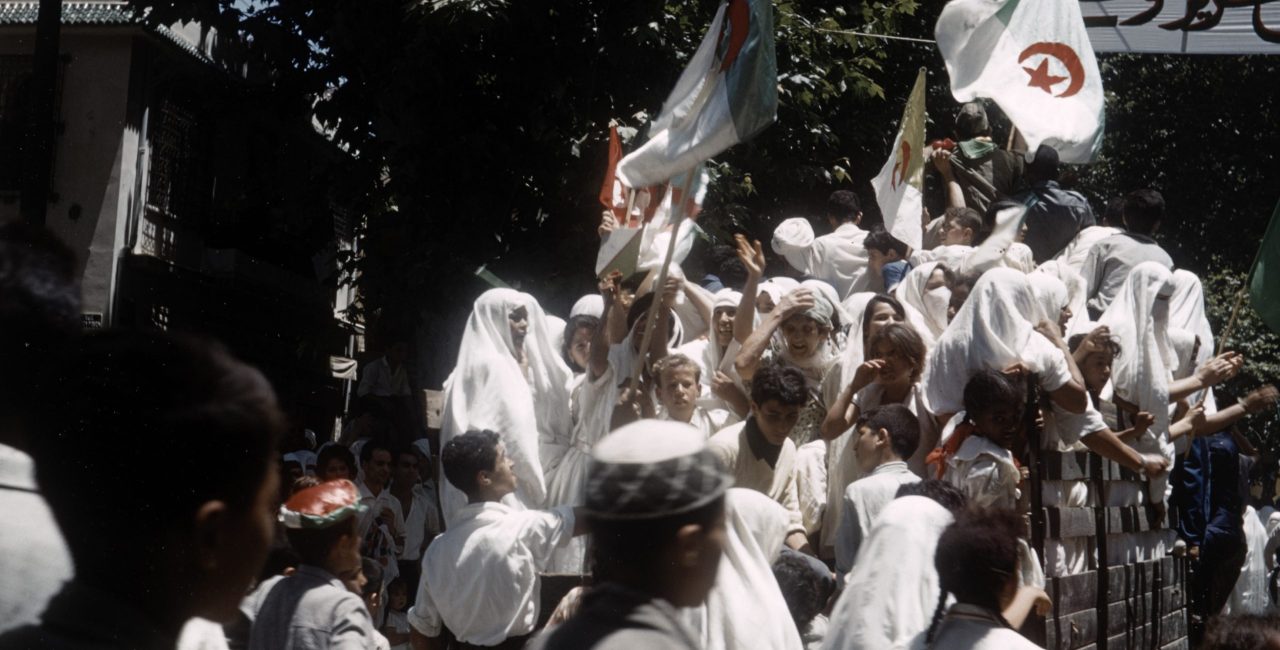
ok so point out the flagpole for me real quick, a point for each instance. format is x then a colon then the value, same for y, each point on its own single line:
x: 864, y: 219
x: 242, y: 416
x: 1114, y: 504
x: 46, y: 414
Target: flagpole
x: 659, y: 285
x: 631, y: 203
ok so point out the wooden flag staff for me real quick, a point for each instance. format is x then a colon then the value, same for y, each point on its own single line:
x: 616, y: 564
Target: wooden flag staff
x: 659, y: 285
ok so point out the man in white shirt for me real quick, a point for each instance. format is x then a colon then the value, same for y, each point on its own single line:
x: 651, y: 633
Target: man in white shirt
x: 886, y: 437
x: 383, y: 510
x: 418, y: 502
x: 480, y: 578
x: 838, y: 258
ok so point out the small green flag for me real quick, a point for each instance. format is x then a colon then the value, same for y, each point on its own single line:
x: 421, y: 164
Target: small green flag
x: 1264, y: 278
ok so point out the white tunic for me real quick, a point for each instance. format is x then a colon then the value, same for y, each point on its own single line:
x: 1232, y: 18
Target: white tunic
x: 777, y: 482
x: 863, y: 502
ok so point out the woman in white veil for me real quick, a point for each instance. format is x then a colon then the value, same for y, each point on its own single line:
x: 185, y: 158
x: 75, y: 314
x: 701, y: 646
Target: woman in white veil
x: 1187, y: 311
x: 922, y: 291
x: 996, y: 329
x: 890, y: 595
x: 509, y: 379
x: 745, y: 609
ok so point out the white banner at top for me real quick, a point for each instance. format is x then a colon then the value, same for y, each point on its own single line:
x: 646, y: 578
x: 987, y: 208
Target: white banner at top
x: 1183, y: 26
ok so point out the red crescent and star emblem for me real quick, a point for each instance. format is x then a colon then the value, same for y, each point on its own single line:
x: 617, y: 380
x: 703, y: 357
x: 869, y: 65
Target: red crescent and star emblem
x: 1043, y: 79
x: 734, y: 32
x: 900, y: 168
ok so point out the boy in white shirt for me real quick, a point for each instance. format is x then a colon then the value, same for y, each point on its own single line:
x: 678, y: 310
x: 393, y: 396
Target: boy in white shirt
x: 679, y: 385
x: 480, y: 578
x: 886, y: 436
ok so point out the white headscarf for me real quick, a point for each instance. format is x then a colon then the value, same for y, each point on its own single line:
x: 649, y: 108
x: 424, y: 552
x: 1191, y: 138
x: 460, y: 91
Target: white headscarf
x: 785, y: 284
x: 1186, y: 311
x: 892, y: 591
x: 1182, y: 343
x: 487, y: 390
x: 745, y: 609
x: 1050, y: 292
x: 931, y: 305
x: 814, y: 367
x: 993, y: 329
x: 792, y: 240
x: 591, y: 304
x: 1076, y: 299
x: 556, y: 326
x: 1250, y: 593
x: 1139, y: 321
x: 828, y: 292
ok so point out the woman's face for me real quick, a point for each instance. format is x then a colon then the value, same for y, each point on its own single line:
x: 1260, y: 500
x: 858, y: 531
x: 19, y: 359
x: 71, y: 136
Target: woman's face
x: 724, y: 325
x: 1097, y: 370
x: 580, y: 346
x: 897, y: 369
x: 959, y: 294
x: 882, y: 314
x: 519, y: 321
x: 803, y: 336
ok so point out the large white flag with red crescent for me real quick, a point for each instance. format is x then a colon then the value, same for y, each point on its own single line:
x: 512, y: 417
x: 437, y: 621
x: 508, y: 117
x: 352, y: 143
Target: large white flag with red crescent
x: 899, y: 184
x: 1033, y: 57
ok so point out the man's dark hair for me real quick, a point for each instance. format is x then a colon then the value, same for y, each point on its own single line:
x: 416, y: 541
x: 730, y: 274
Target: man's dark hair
x: 336, y: 451
x: 581, y: 321
x: 804, y: 586
x: 964, y: 217
x: 977, y: 555
x: 640, y: 309
x: 947, y: 495
x: 39, y: 307
x: 1044, y: 167
x: 624, y: 548
x: 880, y: 240
x: 467, y: 455
x: 372, y: 571
x: 988, y: 389
x: 1143, y: 211
x: 377, y: 443
x: 1113, y: 216
x: 213, y: 421
x: 843, y: 205
x: 780, y: 383
x: 900, y: 422
x: 1242, y: 632
x: 905, y: 340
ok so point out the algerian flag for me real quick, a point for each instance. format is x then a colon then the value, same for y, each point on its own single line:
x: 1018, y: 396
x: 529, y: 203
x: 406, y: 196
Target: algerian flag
x: 1033, y: 57
x: 898, y: 185
x: 727, y: 94
x: 1264, y: 278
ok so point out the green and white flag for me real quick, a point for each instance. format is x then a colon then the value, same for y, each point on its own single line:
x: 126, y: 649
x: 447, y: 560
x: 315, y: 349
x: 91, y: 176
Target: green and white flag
x: 898, y: 185
x: 1264, y: 278
x: 1034, y: 59
x: 727, y: 94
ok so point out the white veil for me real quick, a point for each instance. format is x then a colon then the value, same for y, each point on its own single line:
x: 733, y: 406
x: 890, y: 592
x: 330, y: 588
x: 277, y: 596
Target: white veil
x: 931, y: 305
x: 892, y: 591
x: 487, y: 390
x: 993, y: 329
x: 1186, y: 311
x: 745, y: 609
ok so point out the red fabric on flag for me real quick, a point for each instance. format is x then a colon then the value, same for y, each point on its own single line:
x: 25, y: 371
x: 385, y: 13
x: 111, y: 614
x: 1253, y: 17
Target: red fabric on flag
x: 607, y: 191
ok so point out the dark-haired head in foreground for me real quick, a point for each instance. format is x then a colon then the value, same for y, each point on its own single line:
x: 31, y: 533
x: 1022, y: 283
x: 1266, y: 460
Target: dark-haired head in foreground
x: 181, y: 530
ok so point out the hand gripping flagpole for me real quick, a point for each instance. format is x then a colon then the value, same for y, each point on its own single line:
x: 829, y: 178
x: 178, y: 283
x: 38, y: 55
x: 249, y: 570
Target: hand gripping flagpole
x: 659, y: 286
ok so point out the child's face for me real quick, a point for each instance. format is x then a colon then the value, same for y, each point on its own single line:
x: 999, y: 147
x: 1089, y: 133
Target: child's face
x: 580, y: 346
x: 882, y: 314
x: 678, y: 391
x: 398, y: 597
x: 866, y: 450
x: 999, y: 424
x: 334, y: 469
x: 897, y: 368
x: 954, y: 235
x: 724, y: 324
x: 1097, y: 370
x: 775, y: 419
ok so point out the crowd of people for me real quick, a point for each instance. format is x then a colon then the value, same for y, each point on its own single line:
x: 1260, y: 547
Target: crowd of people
x: 832, y: 457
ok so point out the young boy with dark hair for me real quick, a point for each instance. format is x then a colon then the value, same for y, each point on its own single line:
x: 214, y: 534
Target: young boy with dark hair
x: 679, y: 385
x: 758, y: 452
x: 886, y: 259
x: 655, y: 506
x: 319, y: 605
x: 886, y: 437
x: 481, y: 577
x: 156, y: 544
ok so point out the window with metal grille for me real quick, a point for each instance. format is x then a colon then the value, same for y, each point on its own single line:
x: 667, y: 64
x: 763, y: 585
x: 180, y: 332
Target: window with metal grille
x: 178, y: 181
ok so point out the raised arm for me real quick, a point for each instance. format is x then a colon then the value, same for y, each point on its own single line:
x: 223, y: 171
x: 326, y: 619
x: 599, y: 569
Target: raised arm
x: 748, y: 359
x: 752, y: 257
x: 598, y: 359
x: 942, y: 162
x: 1258, y: 401
x: 1211, y: 373
x: 844, y: 412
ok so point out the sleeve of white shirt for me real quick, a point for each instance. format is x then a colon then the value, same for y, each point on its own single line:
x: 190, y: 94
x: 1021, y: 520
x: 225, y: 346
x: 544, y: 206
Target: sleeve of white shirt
x: 795, y: 521
x: 423, y: 616
x: 847, y: 535
x: 1091, y: 270
x: 1054, y: 371
x: 984, y: 484
x: 1074, y: 426
x: 545, y: 531
x: 354, y: 628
